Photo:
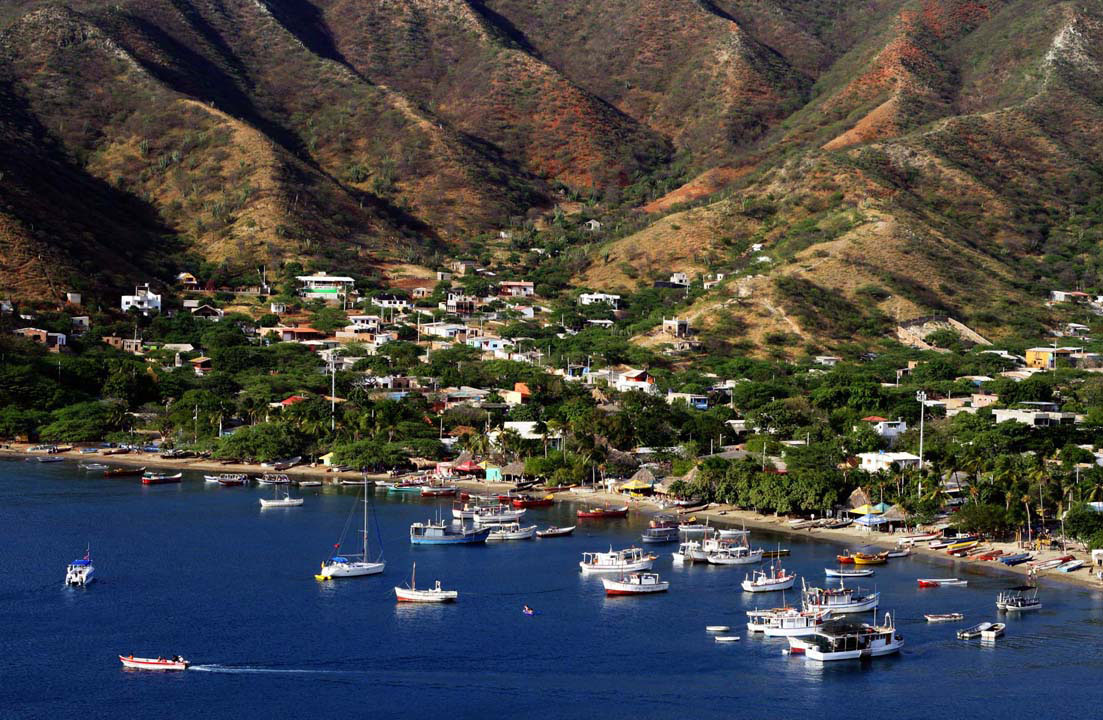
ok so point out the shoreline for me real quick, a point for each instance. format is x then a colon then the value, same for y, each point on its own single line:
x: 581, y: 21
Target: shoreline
x: 720, y: 515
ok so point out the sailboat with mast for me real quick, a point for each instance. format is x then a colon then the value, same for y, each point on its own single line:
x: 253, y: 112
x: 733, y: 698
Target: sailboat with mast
x: 353, y: 565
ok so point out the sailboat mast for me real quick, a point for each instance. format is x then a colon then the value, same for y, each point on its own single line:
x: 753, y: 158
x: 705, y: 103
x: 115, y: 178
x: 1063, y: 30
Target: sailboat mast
x: 364, y: 527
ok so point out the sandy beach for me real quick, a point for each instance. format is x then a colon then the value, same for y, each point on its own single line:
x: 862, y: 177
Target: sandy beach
x: 853, y: 537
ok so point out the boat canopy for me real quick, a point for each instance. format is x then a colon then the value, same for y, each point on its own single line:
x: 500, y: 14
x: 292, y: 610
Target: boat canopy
x: 81, y: 562
x: 339, y: 558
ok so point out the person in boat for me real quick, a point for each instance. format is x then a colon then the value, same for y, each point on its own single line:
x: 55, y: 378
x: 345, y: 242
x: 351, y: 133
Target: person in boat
x: 528, y: 611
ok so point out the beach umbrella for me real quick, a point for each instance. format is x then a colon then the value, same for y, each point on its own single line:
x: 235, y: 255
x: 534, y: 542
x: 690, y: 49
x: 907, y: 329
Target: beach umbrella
x: 862, y: 509
x: 871, y: 520
x: 880, y: 507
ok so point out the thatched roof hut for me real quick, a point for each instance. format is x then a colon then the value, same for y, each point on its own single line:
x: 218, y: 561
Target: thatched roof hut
x: 514, y: 469
x: 858, y: 498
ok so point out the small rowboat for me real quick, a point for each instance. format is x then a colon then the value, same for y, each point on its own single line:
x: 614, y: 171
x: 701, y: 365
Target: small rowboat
x: 553, y: 532
x: 961, y: 547
x: 1070, y: 566
x: 899, y: 553
x: 940, y: 582
x: 527, y: 501
x: 944, y: 617
x: 845, y: 559
x: 123, y: 472
x: 717, y: 628
x: 974, y: 631
x: 429, y: 491
x: 161, y: 478
x: 136, y: 663
x: 780, y: 552
x: 1017, y: 559
x: 1050, y: 564
x: 864, y: 559
x: 604, y: 512
x: 727, y: 638
x: 993, y: 632
x: 829, y: 572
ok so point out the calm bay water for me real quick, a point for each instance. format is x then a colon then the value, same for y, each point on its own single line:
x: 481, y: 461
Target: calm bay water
x: 203, y: 572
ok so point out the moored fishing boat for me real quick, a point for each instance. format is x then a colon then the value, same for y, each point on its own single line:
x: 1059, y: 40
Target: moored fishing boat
x: 944, y: 617
x: 839, y: 600
x: 940, y: 582
x: 274, y: 479
x: 848, y: 640
x: 772, y: 580
x: 1022, y: 598
x: 732, y: 533
x: 973, y: 632
x: 603, y: 513
x: 554, y: 532
x: 441, y: 533
x: 528, y: 501
x: 435, y: 594
x: 152, y: 478
x: 641, y: 583
x: 830, y: 572
x: 280, y: 502
x: 861, y: 558
x: 845, y: 558
x: 232, y: 480
x: 511, y: 531
x: 739, y: 555
x: 687, y: 552
x: 161, y: 664
x: 437, y: 490
x: 616, y: 561
x: 780, y: 552
x: 496, y: 515
x: 786, y: 621
x: 94, y: 467
x: 123, y: 471
x: 659, y: 534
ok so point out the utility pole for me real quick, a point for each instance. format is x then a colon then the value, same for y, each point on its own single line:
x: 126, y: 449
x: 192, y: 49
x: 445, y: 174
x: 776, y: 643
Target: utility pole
x: 333, y: 394
x: 921, y: 396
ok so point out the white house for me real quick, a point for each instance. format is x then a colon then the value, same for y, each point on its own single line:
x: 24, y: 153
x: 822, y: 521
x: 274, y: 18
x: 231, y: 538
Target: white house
x: 827, y: 360
x: 1035, y: 418
x: 878, y: 461
x: 143, y: 299
x: 363, y: 323
x: 592, y: 225
x: 528, y: 431
x: 636, y: 380
x: 391, y: 302
x: 890, y: 430
x: 324, y: 286
x: 597, y: 297
x: 443, y: 330
x: 679, y: 278
x: 516, y: 288
x: 489, y: 343
x: 1068, y: 296
x: 713, y: 281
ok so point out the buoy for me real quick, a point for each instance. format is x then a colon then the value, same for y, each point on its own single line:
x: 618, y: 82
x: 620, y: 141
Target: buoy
x: 717, y: 628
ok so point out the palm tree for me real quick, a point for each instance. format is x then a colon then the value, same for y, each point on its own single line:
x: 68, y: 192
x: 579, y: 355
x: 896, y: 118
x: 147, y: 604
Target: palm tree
x: 511, y: 443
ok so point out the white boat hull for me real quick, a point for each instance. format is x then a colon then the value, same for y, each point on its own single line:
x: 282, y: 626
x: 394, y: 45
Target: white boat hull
x: 286, y: 502
x: 425, y: 596
x: 869, y: 603
x: 750, y: 558
x: 769, y: 586
x: 352, y: 569
x: 618, y: 587
x: 616, y: 569
x: 82, y: 577
x: 522, y: 534
x: 134, y: 663
x: 814, y: 653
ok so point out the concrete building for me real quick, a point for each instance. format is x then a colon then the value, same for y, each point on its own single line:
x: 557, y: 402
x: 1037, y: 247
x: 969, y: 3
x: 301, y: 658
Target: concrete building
x: 884, y: 461
x: 143, y: 300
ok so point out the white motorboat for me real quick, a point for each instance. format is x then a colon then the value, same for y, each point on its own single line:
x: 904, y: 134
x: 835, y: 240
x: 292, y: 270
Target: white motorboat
x: 359, y: 565
x: 435, y: 594
x: 847, y: 640
x: 785, y: 621
x: 735, y: 556
x: 726, y: 638
x: 616, y: 561
x: 772, y: 580
x: 693, y: 528
x: 944, y: 617
x: 1019, y: 599
x: 161, y: 664
x: 643, y: 583
x: 81, y: 572
x: 687, y: 552
x: 973, y: 632
x: 278, y: 502
x: 860, y: 572
x: 274, y: 479
x: 554, y: 532
x: 511, y: 531
x: 839, y: 600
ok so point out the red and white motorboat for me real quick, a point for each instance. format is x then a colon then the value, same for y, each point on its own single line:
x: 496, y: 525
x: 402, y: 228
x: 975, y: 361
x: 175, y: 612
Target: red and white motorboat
x: 162, y: 664
x: 150, y: 478
x: 604, y: 512
x: 635, y: 584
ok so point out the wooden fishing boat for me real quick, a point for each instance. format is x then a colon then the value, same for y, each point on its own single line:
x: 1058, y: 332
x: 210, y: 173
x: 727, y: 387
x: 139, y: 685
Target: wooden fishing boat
x: 616, y: 561
x: 768, y: 581
x: 780, y: 552
x: 829, y: 572
x: 640, y: 583
x: 1070, y: 566
x: 161, y: 478
x: 553, y: 532
x: 944, y: 617
x: 847, y: 640
x: 528, y: 501
x: 437, y: 491
x: 845, y: 559
x: 940, y: 582
x: 123, y: 471
x: 435, y: 594
x: 865, y: 559
x: 961, y: 547
x: 602, y: 513
x: 161, y: 664
x: 1016, y: 559
x: 1050, y: 564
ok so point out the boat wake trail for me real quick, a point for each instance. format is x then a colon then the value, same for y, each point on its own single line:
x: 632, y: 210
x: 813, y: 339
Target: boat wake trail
x: 252, y: 670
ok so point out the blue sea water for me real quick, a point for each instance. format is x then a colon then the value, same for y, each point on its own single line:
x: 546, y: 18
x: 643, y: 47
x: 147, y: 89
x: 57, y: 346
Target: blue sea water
x: 202, y: 571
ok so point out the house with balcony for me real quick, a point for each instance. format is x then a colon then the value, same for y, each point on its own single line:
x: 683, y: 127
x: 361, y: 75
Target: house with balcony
x: 873, y: 462
x: 391, y: 302
x: 888, y: 430
x: 323, y: 286
x: 516, y: 288
x: 597, y: 298
x: 638, y: 380
x: 143, y: 300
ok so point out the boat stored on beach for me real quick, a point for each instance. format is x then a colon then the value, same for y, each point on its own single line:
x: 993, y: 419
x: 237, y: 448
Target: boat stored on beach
x: 847, y: 640
x: 1069, y: 566
x: 161, y: 664
x: 641, y: 583
x: 623, y: 561
x: 1016, y: 559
